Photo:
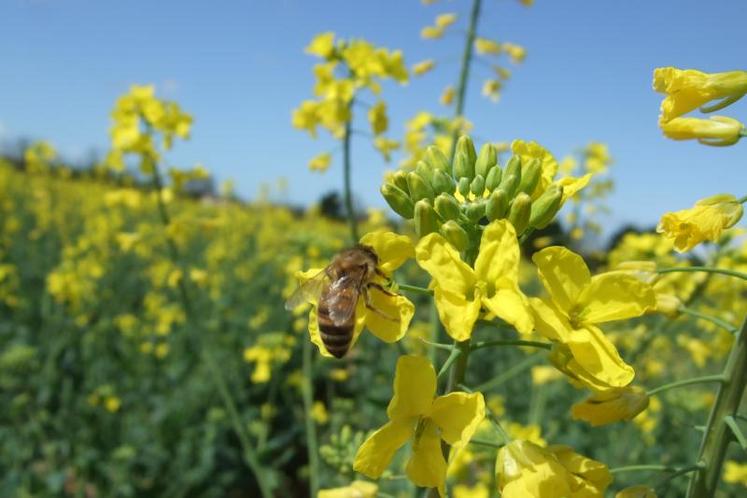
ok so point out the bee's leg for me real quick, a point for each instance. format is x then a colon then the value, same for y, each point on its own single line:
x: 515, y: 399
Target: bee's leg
x: 370, y: 306
x: 381, y: 289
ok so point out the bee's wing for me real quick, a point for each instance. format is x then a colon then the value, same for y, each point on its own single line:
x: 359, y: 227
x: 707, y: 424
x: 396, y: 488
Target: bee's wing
x: 307, y: 292
x: 343, y: 298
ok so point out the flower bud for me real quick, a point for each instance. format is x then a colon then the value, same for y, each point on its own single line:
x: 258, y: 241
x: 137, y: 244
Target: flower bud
x: 513, y: 167
x: 419, y: 187
x: 477, y: 186
x: 443, y: 182
x: 425, y: 171
x: 466, y: 147
x: 475, y: 211
x: 426, y: 220
x: 463, y: 186
x: 546, y: 207
x: 447, y: 207
x: 400, y: 180
x: 494, y: 178
x: 399, y: 201
x: 509, y: 184
x: 518, y: 213
x: 486, y: 160
x: 455, y: 234
x: 530, y: 176
x: 437, y: 159
x: 497, y: 205
x: 462, y: 167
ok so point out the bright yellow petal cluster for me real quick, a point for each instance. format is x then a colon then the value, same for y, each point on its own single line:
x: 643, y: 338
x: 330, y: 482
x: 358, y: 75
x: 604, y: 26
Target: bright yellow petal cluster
x: 461, y: 292
x: 525, y: 470
x: 735, y: 473
x: 602, y: 408
x: 415, y: 413
x: 320, y: 162
x: 577, y: 303
x: 392, y: 250
x: 705, y: 221
x: 487, y: 46
x: 717, y: 130
x: 378, y: 119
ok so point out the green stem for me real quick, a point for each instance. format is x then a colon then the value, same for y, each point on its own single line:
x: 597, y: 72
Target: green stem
x: 714, y: 320
x: 484, y: 442
x: 687, y: 382
x: 415, y: 288
x: 742, y: 200
x: 455, y: 354
x: 717, y: 106
x: 520, y: 367
x: 346, y: 165
x: 248, y: 454
x: 717, y: 434
x: 707, y: 269
x: 645, y: 467
x: 308, y: 401
x: 677, y: 473
x: 508, y: 342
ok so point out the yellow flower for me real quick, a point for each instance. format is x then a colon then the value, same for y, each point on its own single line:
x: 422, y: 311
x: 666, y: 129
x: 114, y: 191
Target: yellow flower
x: 112, y: 404
x: 320, y: 162
x: 689, y: 89
x: 461, y: 291
x: 527, y: 470
x: 491, y: 89
x: 392, y: 250
x: 717, y: 130
x: 377, y: 118
x: 612, y: 406
x: 487, y: 46
x: 386, y: 146
x: 447, y: 97
x: 445, y: 20
x: 576, y: 304
x: 704, y: 221
x: 357, y: 489
x: 415, y: 413
x: 735, y: 473
x: 319, y: 413
x: 423, y: 67
x: 306, y: 117
x: 636, y: 492
x: 323, y: 45
x: 431, y: 32
x: 516, y: 53
x: 531, y: 433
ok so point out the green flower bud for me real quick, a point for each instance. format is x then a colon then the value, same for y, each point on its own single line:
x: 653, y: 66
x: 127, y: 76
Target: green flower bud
x: 425, y: 171
x: 477, y: 186
x: 494, y: 178
x: 462, y: 167
x: 475, y: 211
x: 455, y: 234
x: 437, y: 159
x: 486, y: 160
x: 466, y: 147
x: 497, y: 205
x: 398, y: 200
x: 443, y: 182
x: 509, y: 184
x: 513, y: 167
x: 399, y: 179
x: 463, y: 186
x: 546, y: 207
x: 426, y: 220
x: 519, y: 212
x: 530, y: 176
x: 419, y: 187
x: 447, y: 207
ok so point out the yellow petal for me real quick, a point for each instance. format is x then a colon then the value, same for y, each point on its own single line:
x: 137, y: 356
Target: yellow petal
x: 589, y: 475
x: 499, y: 253
x: 376, y: 452
x: 357, y: 489
x: 549, y: 321
x: 563, y: 273
x: 427, y: 467
x: 457, y: 314
x: 614, y: 296
x: 572, y: 185
x: 392, y: 249
x: 414, y: 388
x: 595, y: 354
x: 392, y: 316
x: 513, y: 307
x: 458, y: 415
x: 439, y: 258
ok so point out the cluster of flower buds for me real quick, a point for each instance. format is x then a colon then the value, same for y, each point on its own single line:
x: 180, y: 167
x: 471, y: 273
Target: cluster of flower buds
x: 455, y: 198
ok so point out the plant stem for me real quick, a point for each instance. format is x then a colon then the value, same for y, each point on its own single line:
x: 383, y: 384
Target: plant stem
x: 509, y: 342
x: 707, y: 269
x: 455, y: 354
x: 717, y: 434
x: 644, y: 467
x: 346, y: 165
x: 248, y: 454
x: 415, y: 288
x: 714, y: 320
x: 308, y: 400
x: 686, y: 382
x: 523, y: 365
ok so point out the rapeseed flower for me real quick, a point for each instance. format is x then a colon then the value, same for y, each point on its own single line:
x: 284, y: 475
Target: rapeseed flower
x: 416, y: 413
x: 602, y: 408
x: 462, y: 291
x: 357, y: 489
x: 716, y: 130
x: 705, y: 221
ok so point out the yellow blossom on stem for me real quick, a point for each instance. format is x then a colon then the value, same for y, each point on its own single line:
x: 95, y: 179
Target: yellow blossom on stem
x: 357, y: 489
x: 415, y: 413
x: 386, y: 146
x: 377, y: 118
x: 431, y: 32
x: 461, y: 291
x: 604, y: 408
x: 320, y: 162
x: 447, y: 97
x: 492, y: 89
x: 705, y: 221
x: 716, y: 130
x: 445, y: 20
x: 487, y: 46
x: 423, y: 67
x: 577, y: 303
x: 515, y: 52
x: 322, y: 45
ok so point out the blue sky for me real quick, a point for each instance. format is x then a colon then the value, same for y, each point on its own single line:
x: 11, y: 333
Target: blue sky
x: 239, y: 68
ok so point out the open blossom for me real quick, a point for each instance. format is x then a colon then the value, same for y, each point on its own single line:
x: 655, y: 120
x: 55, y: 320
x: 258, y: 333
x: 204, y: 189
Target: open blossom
x: 705, y: 221
x: 462, y: 291
x: 577, y: 303
x: 415, y: 413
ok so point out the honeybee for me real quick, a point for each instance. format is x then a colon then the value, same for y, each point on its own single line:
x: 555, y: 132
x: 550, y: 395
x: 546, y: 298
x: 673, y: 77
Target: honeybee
x: 336, y: 290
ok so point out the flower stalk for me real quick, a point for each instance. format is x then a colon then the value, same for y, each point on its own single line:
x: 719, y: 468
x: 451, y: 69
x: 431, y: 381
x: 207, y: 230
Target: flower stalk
x: 346, y: 168
x: 311, y: 437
